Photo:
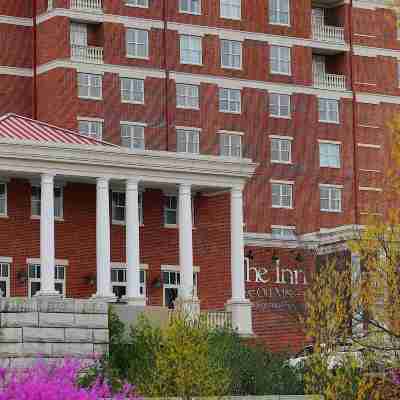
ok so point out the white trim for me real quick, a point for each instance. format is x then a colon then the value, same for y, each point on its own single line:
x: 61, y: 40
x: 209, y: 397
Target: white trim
x: 329, y: 141
x: 133, y: 123
x: 291, y: 227
x: 370, y: 189
x: 368, y: 126
x: 60, y: 262
x: 371, y: 170
x: 281, y: 137
x: 328, y: 185
x: 224, y: 132
x: 188, y: 128
x: 6, y: 260
x: 176, y: 268
x: 14, y: 71
x: 116, y: 264
x: 369, y: 145
x: 92, y: 119
x: 368, y: 51
x: 282, y: 181
x: 20, y: 21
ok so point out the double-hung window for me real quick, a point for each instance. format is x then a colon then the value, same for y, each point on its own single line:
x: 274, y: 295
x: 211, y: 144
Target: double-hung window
x: 279, y: 105
x: 279, y: 12
x: 280, y: 60
x: 91, y: 128
x: 36, y: 201
x: 231, y: 54
x: 191, y: 51
x: 330, y: 198
x: 170, y: 210
x: 282, y: 194
x: 34, y: 279
x: 231, y: 9
x: 283, y: 232
x: 119, y: 281
x: 3, y: 199
x: 190, y: 6
x: 132, y: 90
x: 329, y: 155
x: 187, y: 96
x: 230, y: 145
x: 59, y: 279
x: 281, y: 150
x: 89, y: 86
x: 118, y: 210
x: 137, y: 43
x: 132, y: 136
x: 4, y: 279
x: 328, y: 110
x: 230, y: 100
x: 187, y: 141
x: 137, y: 3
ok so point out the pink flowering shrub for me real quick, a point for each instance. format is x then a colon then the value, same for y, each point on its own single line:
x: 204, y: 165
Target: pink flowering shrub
x: 57, y: 382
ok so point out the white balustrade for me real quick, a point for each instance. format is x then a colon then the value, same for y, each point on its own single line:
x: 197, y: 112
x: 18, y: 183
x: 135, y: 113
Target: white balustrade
x: 91, y: 5
x: 329, y: 81
x: 218, y: 319
x: 326, y: 33
x: 87, y: 54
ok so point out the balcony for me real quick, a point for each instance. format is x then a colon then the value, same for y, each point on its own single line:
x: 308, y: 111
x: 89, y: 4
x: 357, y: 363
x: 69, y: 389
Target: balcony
x: 326, y: 33
x: 87, y: 5
x: 87, y: 54
x: 329, y: 81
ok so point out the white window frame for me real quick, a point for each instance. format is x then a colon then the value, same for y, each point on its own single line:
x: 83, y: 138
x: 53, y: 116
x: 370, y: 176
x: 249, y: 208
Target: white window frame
x: 191, y: 10
x: 140, y: 205
x: 183, y: 91
x: 39, y: 280
x: 223, y: 146
x: 35, y: 215
x: 281, y: 185
x: 230, y: 5
x: 229, y: 100
x: 130, y: 93
x: 282, y: 229
x: 59, y: 280
x: 129, y: 131
x: 135, y: 43
x: 78, y: 34
x: 326, y: 104
x: 279, y: 12
x: 5, y: 266
x: 122, y: 267
x: 230, y: 54
x: 280, y: 140
x: 90, y: 84
x: 191, y: 49
x: 4, y: 198
x: 166, y: 208
x: 281, y: 62
x: 328, y: 156
x: 280, y: 97
x: 91, y: 123
x: 135, y: 3
x: 188, y: 133
x: 331, y: 189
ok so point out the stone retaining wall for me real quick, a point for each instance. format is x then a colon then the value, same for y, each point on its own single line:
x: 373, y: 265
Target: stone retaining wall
x: 51, y: 328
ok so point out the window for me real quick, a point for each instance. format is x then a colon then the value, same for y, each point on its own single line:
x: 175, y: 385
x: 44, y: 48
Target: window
x: 89, y: 86
x: 34, y: 279
x: 279, y: 12
x: 3, y: 199
x: 137, y: 3
x: 92, y: 129
x: 231, y: 9
x: 170, y: 210
x: 187, y: 141
x: 78, y: 34
x: 282, y: 195
x: 4, y: 279
x: 330, y: 198
x: 190, y: 6
x: 119, y: 281
x: 231, y: 54
x: 118, y: 207
x: 328, y: 110
x: 230, y: 145
x: 132, y: 136
x: 187, y: 96
x: 36, y: 201
x: 191, y: 50
x: 280, y: 60
x: 283, y: 232
x: 132, y: 90
x: 329, y: 155
x: 279, y: 105
x: 171, y: 284
x: 137, y: 43
x: 281, y: 150
x: 230, y: 100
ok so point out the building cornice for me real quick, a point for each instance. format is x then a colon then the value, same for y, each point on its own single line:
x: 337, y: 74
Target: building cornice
x: 7, y: 19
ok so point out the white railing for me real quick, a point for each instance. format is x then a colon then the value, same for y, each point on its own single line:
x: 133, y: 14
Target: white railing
x: 329, y: 81
x: 218, y: 319
x: 326, y: 33
x: 87, y: 54
x: 92, y: 5
x: 50, y: 4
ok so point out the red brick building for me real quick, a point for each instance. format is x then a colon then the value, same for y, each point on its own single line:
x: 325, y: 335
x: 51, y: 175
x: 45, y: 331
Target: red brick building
x: 302, y: 88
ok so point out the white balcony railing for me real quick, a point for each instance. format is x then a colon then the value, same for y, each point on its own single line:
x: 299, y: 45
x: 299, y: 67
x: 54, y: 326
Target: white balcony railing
x: 326, y: 33
x: 329, y: 81
x: 218, y: 319
x: 87, y: 54
x: 86, y: 5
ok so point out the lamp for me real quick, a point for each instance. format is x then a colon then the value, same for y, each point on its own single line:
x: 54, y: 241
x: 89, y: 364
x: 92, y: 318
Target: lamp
x: 156, y: 283
x: 274, y: 257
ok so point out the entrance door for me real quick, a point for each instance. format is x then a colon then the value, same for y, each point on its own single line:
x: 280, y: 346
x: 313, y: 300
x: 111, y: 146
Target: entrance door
x: 170, y: 295
x: 78, y: 34
x: 319, y: 63
x: 318, y: 16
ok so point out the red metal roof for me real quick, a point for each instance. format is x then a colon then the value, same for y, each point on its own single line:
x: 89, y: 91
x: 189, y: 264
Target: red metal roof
x: 15, y: 127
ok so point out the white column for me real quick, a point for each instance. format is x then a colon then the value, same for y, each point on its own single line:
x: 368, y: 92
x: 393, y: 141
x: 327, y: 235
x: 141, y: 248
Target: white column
x: 238, y: 304
x: 103, y: 259
x: 186, y: 241
x: 47, y: 247
x: 132, y: 244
